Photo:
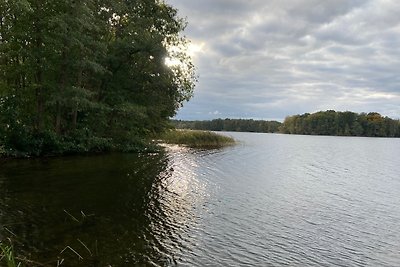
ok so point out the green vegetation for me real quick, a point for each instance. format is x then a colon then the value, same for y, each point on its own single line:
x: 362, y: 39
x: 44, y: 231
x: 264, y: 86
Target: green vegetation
x: 342, y: 123
x: 197, y: 139
x: 231, y: 125
x: 328, y: 122
x: 7, y: 255
x: 88, y: 76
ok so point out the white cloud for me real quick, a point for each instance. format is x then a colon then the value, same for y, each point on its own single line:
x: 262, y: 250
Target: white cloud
x: 269, y: 59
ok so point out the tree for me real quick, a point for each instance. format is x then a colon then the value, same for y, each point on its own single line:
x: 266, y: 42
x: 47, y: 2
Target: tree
x: 342, y: 123
x: 80, y: 73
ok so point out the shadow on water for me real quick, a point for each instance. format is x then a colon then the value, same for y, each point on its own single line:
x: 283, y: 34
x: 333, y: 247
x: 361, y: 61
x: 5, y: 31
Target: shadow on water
x: 90, y: 211
x: 271, y: 200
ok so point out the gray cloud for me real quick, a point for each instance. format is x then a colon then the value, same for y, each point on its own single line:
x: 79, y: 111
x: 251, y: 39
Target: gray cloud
x: 269, y: 59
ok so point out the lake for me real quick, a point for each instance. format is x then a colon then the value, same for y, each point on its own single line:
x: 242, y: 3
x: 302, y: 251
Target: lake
x: 271, y: 200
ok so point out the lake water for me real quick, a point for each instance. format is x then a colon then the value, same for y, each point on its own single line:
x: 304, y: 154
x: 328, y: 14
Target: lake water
x: 271, y: 200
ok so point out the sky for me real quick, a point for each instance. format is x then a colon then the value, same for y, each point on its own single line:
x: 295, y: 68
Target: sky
x: 267, y: 59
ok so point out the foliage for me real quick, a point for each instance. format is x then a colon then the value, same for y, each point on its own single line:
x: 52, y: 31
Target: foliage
x: 198, y: 139
x: 342, y: 123
x: 7, y: 255
x: 87, y: 76
x: 320, y: 123
x: 231, y: 125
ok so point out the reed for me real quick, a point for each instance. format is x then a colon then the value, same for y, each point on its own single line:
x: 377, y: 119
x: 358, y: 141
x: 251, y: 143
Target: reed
x: 197, y: 139
x: 7, y: 255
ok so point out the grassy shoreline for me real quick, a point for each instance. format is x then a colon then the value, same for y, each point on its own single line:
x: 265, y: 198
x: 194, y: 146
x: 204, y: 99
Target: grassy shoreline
x: 197, y: 139
x: 189, y: 138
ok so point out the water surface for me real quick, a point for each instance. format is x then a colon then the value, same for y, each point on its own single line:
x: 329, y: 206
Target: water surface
x: 271, y: 200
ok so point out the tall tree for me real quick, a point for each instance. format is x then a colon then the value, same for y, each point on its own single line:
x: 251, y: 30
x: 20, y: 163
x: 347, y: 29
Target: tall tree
x: 342, y: 123
x: 77, y: 71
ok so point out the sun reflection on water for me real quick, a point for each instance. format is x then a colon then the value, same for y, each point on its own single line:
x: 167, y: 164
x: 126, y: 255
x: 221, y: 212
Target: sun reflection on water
x: 178, y: 200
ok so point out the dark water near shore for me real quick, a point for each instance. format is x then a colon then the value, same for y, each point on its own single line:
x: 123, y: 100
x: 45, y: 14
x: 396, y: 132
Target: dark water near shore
x: 272, y: 200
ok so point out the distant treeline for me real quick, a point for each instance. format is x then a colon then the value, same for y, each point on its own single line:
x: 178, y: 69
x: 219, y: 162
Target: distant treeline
x: 327, y: 122
x: 342, y: 124
x: 231, y: 125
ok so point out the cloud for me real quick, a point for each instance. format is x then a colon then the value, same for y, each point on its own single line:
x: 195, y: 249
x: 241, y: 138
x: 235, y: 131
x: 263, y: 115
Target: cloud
x: 269, y: 59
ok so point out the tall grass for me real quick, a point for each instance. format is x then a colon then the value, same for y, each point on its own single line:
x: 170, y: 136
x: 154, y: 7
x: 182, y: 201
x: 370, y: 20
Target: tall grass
x: 197, y: 139
x: 7, y: 255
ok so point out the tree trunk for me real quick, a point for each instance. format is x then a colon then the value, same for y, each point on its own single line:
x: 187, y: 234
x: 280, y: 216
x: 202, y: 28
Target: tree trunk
x: 61, y: 87
x: 75, y: 107
x: 58, y: 118
x: 39, y: 101
x: 39, y: 79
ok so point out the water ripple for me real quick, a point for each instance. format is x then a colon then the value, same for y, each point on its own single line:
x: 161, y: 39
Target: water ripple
x: 293, y: 200
x: 272, y: 200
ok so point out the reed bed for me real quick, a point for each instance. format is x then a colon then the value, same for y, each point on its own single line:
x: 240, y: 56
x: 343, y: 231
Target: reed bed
x: 197, y: 139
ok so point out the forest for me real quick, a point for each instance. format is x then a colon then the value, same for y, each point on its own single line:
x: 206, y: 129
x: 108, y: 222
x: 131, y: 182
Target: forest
x: 328, y: 122
x: 345, y: 123
x: 89, y: 76
x: 230, y: 125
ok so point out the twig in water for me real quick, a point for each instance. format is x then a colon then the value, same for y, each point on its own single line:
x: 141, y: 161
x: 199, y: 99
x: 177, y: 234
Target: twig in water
x: 68, y: 247
x: 85, y: 216
x: 59, y: 262
x: 83, y: 244
x: 72, y: 217
x: 8, y: 230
